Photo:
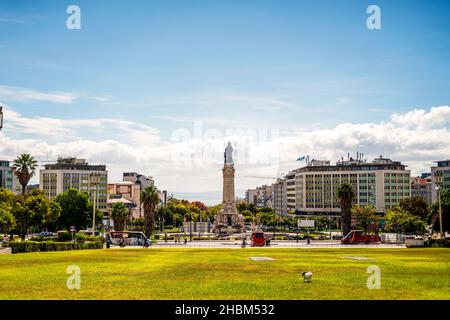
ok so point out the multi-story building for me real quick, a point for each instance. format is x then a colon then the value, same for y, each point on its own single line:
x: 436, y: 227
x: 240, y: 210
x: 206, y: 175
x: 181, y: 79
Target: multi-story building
x: 312, y: 190
x: 141, y: 179
x: 139, y: 183
x: 260, y: 197
x: 251, y: 196
x: 381, y: 183
x: 422, y: 187
x: 279, y: 189
x: 8, y: 179
x: 75, y: 173
x: 440, y: 177
x: 6, y: 175
x: 290, y: 192
x: 126, y: 192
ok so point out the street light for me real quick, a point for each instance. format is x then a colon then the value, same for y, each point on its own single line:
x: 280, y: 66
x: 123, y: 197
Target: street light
x: 95, y: 181
x: 438, y: 188
x: 329, y: 220
x: 190, y: 228
x: 1, y: 118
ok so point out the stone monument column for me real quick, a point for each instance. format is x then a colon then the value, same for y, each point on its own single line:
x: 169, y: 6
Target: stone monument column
x: 228, y: 220
x: 228, y: 183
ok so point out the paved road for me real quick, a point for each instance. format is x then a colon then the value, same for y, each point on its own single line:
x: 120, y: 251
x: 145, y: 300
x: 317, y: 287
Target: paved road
x: 273, y: 244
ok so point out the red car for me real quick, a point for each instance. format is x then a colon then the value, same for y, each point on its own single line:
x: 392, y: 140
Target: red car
x: 357, y: 236
x: 258, y: 239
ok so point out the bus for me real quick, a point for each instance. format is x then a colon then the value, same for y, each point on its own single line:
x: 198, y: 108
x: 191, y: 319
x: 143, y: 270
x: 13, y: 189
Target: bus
x: 128, y: 238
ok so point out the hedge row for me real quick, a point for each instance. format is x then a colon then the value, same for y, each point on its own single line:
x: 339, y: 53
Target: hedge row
x: 442, y: 243
x: 34, y: 246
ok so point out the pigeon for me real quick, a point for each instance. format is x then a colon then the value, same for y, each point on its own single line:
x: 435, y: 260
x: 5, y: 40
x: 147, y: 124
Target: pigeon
x: 307, y: 276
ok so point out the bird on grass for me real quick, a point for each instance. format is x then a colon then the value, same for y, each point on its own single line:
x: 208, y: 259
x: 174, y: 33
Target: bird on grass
x: 307, y: 276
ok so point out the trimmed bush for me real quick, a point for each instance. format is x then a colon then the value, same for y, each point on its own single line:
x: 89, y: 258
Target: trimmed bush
x: 64, y: 236
x: 441, y: 243
x: 41, y: 246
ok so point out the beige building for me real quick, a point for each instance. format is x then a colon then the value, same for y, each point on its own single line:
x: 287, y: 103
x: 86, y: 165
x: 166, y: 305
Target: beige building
x: 260, y: 197
x: 279, y: 196
x: 125, y: 192
x: 75, y: 173
x: 311, y: 190
x: 422, y: 187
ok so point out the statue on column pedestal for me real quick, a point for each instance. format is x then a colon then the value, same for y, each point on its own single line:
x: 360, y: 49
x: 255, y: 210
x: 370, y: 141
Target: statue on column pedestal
x: 228, y: 220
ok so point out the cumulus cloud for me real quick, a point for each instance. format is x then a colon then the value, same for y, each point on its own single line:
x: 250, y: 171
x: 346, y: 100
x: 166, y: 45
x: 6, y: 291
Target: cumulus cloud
x: 190, y: 162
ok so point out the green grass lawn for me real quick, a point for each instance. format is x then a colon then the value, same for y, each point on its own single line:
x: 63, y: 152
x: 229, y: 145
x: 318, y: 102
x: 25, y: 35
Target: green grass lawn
x: 227, y: 274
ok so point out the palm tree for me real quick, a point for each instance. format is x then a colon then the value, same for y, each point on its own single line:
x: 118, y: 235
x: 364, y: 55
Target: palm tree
x: 120, y: 215
x: 25, y: 168
x: 345, y: 195
x: 150, y: 199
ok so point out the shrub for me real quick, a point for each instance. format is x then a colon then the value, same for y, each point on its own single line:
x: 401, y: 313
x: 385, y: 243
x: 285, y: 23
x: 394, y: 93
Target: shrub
x: 438, y: 243
x: 64, y: 236
x: 80, y: 237
x: 41, y: 238
x: 35, y: 246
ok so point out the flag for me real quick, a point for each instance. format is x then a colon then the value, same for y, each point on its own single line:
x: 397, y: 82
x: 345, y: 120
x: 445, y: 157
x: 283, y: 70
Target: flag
x: 301, y: 158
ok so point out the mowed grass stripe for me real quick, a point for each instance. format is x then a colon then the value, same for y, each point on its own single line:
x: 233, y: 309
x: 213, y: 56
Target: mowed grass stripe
x: 227, y: 274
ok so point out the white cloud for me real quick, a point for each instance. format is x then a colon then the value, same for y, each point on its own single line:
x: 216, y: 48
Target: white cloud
x: 436, y: 117
x: 193, y: 163
x: 8, y: 93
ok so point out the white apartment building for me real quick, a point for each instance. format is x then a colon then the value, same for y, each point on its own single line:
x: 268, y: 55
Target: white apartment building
x: 440, y: 177
x: 311, y: 190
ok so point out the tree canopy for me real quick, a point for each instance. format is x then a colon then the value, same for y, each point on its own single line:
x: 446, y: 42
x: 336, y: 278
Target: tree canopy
x: 76, y: 209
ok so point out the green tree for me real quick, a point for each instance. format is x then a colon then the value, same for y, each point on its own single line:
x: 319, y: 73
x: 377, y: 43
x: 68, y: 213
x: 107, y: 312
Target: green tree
x: 120, y: 215
x: 76, y: 209
x: 7, y: 221
x: 415, y: 206
x: 248, y: 215
x: 213, y: 211
x: 445, y: 206
x: 365, y: 217
x: 150, y: 199
x: 245, y: 206
x: 345, y: 194
x: 24, y: 168
x: 33, y: 211
x: 398, y: 220
x: 268, y: 218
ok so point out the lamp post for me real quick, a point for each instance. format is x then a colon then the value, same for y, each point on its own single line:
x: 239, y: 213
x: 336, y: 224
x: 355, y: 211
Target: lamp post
x: 95, y: 181
x: 438, y: 189
x: 1, y: 118
x: 190, y: 228
x: 329, y: 221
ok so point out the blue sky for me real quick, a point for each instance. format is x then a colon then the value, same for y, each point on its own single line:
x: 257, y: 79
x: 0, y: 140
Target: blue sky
x: 160, y: 65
